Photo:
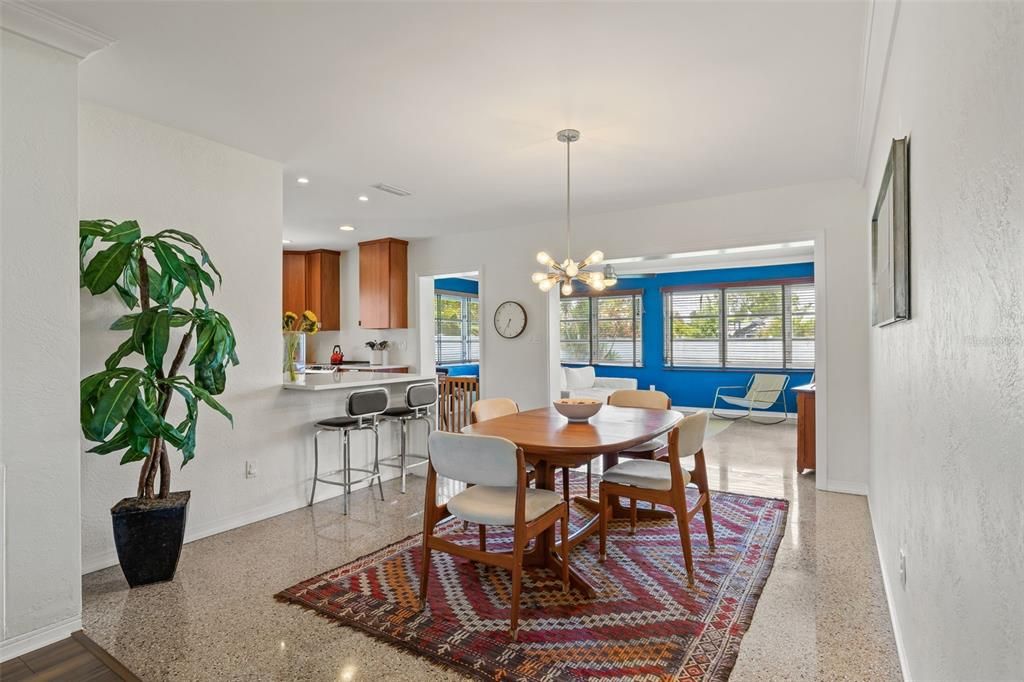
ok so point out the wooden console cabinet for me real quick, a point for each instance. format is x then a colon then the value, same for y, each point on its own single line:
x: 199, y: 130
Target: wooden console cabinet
x: 312, y: 281
x: 383, y: 284
x: 804, y: 428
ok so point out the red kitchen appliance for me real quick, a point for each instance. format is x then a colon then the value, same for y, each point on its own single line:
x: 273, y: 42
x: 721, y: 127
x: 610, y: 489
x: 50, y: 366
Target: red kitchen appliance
x: 337, y: 357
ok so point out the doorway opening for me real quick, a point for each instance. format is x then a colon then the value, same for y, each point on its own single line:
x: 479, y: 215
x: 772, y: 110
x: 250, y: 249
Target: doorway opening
x: 451, y: 343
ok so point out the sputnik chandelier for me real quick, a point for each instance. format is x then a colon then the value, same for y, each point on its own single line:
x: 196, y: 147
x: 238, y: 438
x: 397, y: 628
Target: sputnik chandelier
x: 568, y: 271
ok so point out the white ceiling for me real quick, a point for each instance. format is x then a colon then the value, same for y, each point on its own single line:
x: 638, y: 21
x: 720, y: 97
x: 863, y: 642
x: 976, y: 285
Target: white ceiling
x: 459, y: 103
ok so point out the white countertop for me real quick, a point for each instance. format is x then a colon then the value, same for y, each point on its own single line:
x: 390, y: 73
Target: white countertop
x: 350, y: 380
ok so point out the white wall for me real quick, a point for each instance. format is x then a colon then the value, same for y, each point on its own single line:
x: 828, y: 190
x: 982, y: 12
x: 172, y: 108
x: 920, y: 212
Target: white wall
x: 946, y: 387
x: 830, y: 212
x: 38, y: 346
x: 231, y: 201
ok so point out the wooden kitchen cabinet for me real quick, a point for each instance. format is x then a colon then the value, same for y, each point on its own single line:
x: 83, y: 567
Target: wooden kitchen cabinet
x: 311, y: 281
x: 383, y: 284
x: 323, y: 292
x: 294, y: 271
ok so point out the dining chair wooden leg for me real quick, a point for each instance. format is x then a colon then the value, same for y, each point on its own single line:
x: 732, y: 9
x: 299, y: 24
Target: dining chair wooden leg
x: 425, y: 570
x: 483, y: 537
x: 517, y: 579
x: 632, y: 516
x: 604, y: 511
x: 700, y: 475
x: 565, y: 548
x: 682, y: 519
x: 565, y: 483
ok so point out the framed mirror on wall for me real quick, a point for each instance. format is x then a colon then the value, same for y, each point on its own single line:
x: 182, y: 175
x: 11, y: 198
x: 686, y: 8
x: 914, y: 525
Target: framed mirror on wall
x: 890, y: 240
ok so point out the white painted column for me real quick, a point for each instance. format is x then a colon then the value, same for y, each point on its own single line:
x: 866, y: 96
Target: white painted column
x: 40, y: 499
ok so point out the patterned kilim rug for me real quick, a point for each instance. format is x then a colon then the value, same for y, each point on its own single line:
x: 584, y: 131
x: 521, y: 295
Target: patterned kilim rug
x: 645, y: 624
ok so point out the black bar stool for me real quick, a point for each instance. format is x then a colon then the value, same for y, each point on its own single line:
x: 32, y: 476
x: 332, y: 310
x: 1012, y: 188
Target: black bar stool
x: 363, y: 409
x: 418, y: 400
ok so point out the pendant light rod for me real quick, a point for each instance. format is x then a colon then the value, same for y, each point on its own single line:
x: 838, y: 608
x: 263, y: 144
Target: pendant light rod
x: 568, y: 136
x: 568, y: 200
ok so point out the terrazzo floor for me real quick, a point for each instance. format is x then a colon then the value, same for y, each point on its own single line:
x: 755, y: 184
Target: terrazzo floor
x: 822, y: 616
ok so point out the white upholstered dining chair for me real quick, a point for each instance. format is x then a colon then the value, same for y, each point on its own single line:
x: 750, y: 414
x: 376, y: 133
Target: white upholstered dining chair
x: 663, y: 481
x: 499, y: 496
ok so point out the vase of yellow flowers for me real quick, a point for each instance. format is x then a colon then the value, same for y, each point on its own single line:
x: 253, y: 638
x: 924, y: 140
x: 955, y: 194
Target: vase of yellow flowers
x: 295, y: 329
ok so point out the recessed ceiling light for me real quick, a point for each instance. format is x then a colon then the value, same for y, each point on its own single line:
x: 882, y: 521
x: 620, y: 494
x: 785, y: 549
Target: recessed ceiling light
x: 286, y: 241
x: 363, y: 197
x: 346, y: 228
x: 302, y: 181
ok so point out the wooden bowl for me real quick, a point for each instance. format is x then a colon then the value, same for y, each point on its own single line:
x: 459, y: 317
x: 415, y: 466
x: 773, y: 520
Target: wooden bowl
x: 578, y: 409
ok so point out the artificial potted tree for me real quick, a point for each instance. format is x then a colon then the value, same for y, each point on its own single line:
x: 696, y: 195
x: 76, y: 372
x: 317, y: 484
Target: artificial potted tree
x: 124, y: 408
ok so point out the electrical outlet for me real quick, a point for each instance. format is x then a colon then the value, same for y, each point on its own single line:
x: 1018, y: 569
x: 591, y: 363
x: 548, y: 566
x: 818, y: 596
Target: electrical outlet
x: 903, y: 568
x: 250, y: 469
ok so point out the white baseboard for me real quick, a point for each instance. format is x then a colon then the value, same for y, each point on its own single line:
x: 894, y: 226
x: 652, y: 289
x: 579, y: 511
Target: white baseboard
x: 736, y: 413
x: 846, y: 487
x: 887, y: 586
x: 108, y: 558
x: 38, y: 638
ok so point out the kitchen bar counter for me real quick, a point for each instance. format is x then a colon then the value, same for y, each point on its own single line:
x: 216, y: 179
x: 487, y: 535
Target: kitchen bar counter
x: 353, y: 379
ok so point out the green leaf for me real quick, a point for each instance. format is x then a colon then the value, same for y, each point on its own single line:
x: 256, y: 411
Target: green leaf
x: 172, y: 435
x: 205, y: 396
x: 141, y: 329
x: 160, y: 287
x: 106, y: 267
x: 155, y: 343
x: 126, y: 232
x: 129, y: 299
x: 204, y: 341
x: 142, y: 421
x: 94, y: 228
x: 126, y: 348
x: 125, y: 322
x: 133, y: 455
x: 119, y: 441
x: 84, y: 244
x: 114, y: 404
x: 88, y: 386
x: 169, y: 262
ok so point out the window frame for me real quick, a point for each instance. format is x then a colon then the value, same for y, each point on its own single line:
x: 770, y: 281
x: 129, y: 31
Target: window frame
x: 593, y: 319
x: 723, y: 316
x: 466, y: 324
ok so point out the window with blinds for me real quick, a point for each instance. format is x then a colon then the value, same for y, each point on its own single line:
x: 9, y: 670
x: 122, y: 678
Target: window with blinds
x: 457, y: 328
x: 757, y: 326
x: 602, y: 330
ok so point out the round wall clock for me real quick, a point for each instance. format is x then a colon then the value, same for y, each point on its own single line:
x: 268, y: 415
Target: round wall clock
x: 510, y: 319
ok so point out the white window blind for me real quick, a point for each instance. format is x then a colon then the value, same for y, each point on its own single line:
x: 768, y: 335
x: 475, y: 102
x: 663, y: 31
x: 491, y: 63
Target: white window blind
x: 760, y: 326
x: 606, y: 330
x: 800, y: 326
x: 753, y: 323
x: 574, y: 325
x: 693, y: 328
x: 457, y: 328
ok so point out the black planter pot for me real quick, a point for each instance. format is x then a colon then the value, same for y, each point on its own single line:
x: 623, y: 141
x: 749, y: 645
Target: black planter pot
x: 148, y: 535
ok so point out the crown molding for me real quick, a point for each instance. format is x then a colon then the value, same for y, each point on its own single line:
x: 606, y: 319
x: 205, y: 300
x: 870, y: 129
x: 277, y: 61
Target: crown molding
x: 50, y: 29
x: 879, y: 36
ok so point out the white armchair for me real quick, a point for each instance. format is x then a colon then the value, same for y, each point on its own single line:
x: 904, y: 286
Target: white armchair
x: 583, y: 382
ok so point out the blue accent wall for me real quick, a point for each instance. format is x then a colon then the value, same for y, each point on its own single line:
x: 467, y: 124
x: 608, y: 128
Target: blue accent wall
x: 696, y: 387
x: 466, y: 286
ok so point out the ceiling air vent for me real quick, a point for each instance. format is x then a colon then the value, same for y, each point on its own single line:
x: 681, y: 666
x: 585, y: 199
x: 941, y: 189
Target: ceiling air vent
x: 391, y: 189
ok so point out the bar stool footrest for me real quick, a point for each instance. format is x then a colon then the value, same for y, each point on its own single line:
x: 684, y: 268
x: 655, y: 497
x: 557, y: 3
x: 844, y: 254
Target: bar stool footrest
x: 411, y: 460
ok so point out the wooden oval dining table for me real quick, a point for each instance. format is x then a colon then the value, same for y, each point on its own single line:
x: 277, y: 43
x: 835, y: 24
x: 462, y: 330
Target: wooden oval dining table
x: 549, y: 442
